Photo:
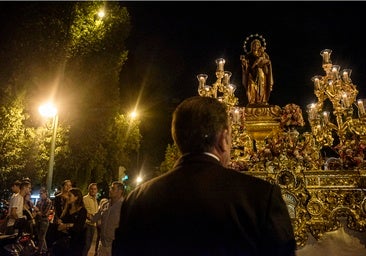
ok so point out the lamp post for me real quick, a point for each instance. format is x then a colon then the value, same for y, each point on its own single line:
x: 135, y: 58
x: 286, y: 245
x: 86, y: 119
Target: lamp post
x: 48, y: 110
x: 133, y: 117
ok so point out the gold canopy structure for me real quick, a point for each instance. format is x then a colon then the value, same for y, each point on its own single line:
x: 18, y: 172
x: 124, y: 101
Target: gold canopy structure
x: 320, y: 193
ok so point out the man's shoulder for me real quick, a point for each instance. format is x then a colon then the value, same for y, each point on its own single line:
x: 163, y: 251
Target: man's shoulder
x: 247, y: 178
x: 18, y: 197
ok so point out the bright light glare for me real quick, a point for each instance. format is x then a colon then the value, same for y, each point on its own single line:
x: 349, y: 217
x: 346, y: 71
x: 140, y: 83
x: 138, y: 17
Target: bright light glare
x: 101, y: 14
x: 47, y: 110
x: 133, y: 114
x: 138, y: 179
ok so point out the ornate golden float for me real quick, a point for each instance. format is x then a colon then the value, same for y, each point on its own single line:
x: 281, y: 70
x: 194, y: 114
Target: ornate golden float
x: 321, y: 192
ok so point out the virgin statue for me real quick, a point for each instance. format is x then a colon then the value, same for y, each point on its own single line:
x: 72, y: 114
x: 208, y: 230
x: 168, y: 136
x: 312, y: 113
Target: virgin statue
x: 257, y: 73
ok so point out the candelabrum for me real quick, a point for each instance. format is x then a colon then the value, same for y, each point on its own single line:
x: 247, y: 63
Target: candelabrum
x: 342, y: 129
x: 224, y: 91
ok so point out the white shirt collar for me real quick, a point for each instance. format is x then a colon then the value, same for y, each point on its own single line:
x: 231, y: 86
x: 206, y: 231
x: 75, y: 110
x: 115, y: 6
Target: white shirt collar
x: 210, y: 154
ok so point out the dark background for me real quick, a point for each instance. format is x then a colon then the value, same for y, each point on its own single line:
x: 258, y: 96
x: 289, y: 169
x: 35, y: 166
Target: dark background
x: 171, y: 42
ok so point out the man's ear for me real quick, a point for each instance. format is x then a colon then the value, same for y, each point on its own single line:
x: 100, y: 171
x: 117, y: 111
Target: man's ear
x: 224, y: 140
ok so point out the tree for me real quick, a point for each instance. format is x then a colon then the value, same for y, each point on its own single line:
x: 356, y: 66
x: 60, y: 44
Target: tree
x: 95, y: 57
x: 12, y: 137
x: 64, y: 51
x: 171, y: 156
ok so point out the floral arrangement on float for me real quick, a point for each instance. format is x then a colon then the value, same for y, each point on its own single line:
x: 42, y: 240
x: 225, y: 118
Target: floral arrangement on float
x: 288, y: 148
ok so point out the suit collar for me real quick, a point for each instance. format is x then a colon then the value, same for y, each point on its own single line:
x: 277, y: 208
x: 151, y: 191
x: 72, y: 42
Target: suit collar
x: 196, y: 157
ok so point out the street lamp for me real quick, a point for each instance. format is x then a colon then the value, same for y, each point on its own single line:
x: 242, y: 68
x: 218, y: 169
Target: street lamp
x: 133, y: 115
x: 48, y: 110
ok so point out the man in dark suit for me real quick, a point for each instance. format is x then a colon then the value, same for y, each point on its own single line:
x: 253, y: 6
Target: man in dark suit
x: 201, y: 207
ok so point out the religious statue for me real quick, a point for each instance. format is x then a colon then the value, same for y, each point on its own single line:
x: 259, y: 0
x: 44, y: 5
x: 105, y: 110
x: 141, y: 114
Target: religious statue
x: 257, y: 72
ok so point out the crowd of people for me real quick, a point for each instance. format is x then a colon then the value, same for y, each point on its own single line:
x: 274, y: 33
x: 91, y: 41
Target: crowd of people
x: 67, y: 224
x: 200, y: 207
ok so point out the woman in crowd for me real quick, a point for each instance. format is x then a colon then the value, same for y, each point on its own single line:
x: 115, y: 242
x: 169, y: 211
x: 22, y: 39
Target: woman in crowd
x: 28, y: 212
x: 42, y: 212
x: 61, y: 198
x: 59, y: 204
x: 72, y: 226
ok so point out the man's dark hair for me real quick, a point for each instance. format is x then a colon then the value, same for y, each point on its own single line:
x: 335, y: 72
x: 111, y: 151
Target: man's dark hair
x: 24, y: 184
x: 92, y: 184
x: 120, y: 185
x: 196, y: 123
x: 64, y: 183
x: 43, y: 190
x: 16, y: 183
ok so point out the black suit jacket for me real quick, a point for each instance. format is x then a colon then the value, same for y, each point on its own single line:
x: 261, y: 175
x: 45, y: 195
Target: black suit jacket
x: 202, y: 208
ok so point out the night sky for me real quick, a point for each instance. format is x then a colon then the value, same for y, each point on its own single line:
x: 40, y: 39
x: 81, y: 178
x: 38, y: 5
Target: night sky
x: 172, y: 42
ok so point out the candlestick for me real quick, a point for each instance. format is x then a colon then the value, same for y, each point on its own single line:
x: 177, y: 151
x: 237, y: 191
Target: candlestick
x: 220, y: 64
x: 231, y: 88
x: 345, y: 100
x: 316, y: 80
x: 326, y: 117
x: 311, y: 111
x: 326, y: 56
x: 202, y: 79
x: 335, y: 71
x: 361, y: 107
x: 346, y: 73
x: 227, y: 76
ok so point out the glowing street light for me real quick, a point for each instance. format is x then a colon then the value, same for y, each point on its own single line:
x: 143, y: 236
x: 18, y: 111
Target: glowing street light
x: 101, y: 14
x: 133, y: 115
x: 139, y: 179
x: 48, y: 110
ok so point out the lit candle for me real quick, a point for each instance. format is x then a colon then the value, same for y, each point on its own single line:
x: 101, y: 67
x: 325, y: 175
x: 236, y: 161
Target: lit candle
x: 326, y: 56
x: 231, y: 88
x: 236, y: 115
x: 317, y: 83
x: 326, y: 117
x: 346, y: 74
x: 202, y: 79
x: 361, y: 107
x: 335, y: 71
x: 311, y: 111
x: 330, y: 86
x: 345, y: 100
x: 220, y: 64
x: 226, y: 79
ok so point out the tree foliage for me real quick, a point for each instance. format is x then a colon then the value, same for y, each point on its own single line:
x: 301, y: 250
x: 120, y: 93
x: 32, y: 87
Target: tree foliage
x: 171, y: 156
x: 64, y: 52
x: 14, y: 136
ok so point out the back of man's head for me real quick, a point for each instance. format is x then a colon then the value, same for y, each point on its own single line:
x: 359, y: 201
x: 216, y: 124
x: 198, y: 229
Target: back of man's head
x: 196, y: 123
x: 24, y: 184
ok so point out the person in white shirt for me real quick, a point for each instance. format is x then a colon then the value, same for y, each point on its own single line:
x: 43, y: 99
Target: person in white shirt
x: 109, y: 213
x: 91, y: 205
x: 15, y: 215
